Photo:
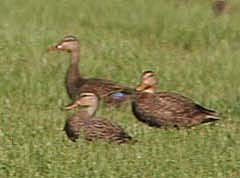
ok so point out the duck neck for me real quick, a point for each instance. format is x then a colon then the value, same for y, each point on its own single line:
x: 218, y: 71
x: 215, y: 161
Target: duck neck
x: 90, y: 110
x: 73, y: 75
x: 75, y: 57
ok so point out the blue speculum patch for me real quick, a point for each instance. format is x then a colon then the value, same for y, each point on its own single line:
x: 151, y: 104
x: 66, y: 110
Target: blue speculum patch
x: 118, y: 94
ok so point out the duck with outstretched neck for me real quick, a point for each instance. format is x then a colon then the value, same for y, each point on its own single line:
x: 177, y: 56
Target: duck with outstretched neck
x: 167, y: 109
x: 110, y: 92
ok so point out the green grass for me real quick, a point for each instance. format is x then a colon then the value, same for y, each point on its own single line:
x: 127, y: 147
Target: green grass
x: 192, y: 51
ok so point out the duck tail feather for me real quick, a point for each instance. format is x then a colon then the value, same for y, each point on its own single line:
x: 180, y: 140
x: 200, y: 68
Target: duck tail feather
x: 210, y: 119
x: 201, y: 108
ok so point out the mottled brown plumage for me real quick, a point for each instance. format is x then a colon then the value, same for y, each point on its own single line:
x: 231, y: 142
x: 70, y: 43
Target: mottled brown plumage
x: 91, y: 128
x: 111, y: 92
x: 164, y: 109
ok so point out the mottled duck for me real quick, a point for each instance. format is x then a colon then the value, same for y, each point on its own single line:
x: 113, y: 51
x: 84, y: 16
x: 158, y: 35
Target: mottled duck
x: 167, y: 109
x: 111, y: 92
x: 92, y: 128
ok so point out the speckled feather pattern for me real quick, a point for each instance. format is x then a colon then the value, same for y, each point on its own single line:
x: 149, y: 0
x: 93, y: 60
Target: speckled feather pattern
x: 80, y: 124
x: 168, y: 109
x: 101, y: 88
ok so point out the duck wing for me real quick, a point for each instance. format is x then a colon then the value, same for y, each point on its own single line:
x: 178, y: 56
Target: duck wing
x: 110, y: 92
x: 169, y: 109
x: 75, y: 124
x: 105, y: 129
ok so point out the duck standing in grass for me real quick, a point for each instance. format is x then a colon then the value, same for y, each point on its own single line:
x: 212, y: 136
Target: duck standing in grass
x: 167, y: 109
x: 91, y: 128
x: 76, y: 84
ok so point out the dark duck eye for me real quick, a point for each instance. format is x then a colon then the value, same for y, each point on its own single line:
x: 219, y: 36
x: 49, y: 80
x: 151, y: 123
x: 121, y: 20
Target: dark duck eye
x: 84, y: 96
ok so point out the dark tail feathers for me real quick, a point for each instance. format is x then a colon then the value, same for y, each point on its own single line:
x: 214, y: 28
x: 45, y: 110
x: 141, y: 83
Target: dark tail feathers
x: 202, y: 109
x: 211, y: 116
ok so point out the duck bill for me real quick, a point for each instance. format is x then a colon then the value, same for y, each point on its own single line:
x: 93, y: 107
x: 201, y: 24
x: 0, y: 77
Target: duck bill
x: 52, y: 48
x: 71, y: 106
x: 140, y: 87
x: 145, y: 88
x: 55, y: 47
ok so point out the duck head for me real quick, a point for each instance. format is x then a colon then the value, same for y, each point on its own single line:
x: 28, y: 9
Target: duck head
x: 69, y: 44
x: 85, y: 99
x: 147, y: 82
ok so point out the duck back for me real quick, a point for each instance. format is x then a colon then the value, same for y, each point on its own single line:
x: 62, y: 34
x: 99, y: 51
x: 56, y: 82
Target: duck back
x: 169, y: 109
x: 94, y: 128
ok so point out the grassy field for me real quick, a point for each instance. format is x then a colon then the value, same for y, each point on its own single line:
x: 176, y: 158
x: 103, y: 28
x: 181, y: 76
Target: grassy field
x: 192, y: 51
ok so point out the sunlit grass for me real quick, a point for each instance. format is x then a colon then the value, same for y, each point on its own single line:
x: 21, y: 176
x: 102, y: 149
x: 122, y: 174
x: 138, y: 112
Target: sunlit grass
x: 192, y: 51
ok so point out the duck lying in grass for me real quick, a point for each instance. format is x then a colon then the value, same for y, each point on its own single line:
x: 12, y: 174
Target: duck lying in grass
x: 167, y: 109
x: 76, y: 84
x: 91, y: 128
